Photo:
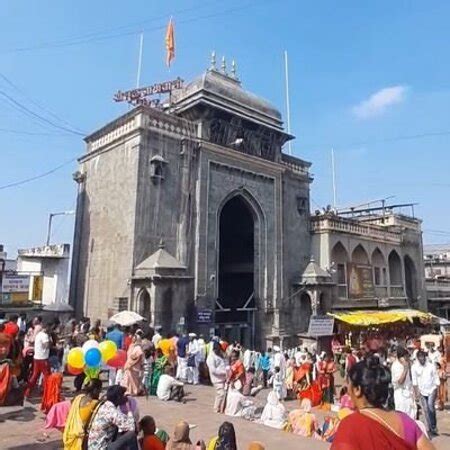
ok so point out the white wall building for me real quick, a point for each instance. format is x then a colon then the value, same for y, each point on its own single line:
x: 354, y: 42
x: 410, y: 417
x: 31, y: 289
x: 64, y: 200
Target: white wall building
x: 48, y: 267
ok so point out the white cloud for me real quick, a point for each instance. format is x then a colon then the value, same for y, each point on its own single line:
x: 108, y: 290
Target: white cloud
x: 379, y: 102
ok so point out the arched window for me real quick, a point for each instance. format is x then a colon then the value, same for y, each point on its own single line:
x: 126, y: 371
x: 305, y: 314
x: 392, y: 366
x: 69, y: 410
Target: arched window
x: 395, y: 274
x: 339, y: 258
x: 379, y: 268
x: 360, y: 256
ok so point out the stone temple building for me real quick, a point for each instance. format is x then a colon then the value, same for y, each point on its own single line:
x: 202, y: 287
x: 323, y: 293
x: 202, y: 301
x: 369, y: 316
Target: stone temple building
x: 193, y: 216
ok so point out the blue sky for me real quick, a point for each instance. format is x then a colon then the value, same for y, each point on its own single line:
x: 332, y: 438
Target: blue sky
x: 365, y: 77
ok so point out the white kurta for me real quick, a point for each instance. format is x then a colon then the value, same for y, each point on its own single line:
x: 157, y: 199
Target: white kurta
x: 403, y: 393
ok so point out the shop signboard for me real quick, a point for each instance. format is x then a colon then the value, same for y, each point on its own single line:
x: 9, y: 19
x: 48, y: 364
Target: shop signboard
x: 204, y: 316
x: 360, y: 281
x: 321, y: 326
x: 15, y: 283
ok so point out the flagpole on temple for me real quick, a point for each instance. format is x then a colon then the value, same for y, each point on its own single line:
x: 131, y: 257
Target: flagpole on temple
x: 141, y: 48
x: 288, y: 108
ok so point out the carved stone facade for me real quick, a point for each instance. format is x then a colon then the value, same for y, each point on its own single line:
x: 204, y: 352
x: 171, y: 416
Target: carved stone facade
x: 193, y: 217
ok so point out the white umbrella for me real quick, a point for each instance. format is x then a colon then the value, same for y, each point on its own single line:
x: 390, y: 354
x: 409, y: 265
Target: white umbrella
x: 126, y: 318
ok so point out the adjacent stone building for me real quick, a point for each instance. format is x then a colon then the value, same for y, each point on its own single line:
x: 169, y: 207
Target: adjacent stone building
x: 194, y: 217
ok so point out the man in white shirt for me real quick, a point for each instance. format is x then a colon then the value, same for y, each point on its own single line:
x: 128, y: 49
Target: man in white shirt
x: 402, y: 384
x: 434, y: 355
x: 156, y: 337
x: 217, y: 367
x: 193, y: 359
x: 40, y: 361
x: 169, y: 388
x: 425, y: 380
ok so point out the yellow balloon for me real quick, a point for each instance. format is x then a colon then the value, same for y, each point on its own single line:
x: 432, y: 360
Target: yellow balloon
x: 75, y: 358
x: 108, y: 349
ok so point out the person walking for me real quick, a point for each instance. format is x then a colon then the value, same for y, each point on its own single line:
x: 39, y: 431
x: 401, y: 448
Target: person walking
x: 425, y: 380
x: 402, y: 384
x: 182, y: 345
x: 217, y: 367
x: 40, y: 360
x: 264, y: 362
x: 193, y: 361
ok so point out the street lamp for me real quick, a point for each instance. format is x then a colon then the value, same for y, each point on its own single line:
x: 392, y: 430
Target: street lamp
x: 50, y: 218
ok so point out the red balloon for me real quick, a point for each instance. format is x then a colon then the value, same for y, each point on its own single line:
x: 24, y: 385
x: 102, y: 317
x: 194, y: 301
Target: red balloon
x: 73, y: 371
x: 118, y: 360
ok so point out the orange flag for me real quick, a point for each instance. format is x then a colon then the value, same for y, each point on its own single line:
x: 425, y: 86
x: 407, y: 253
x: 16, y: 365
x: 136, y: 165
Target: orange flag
x: 170, y: 43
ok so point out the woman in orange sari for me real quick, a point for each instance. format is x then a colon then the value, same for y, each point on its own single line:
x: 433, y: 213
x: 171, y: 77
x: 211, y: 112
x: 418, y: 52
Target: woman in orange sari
x: 372, y: 427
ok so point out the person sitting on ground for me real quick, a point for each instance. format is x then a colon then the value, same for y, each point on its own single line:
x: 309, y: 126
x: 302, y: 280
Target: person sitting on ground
x: 372, y: 427
x: 302, y: 421
x: 249, y: 388
x: 107, y: 418
x: 274, y: 413
x: 80, y: 414
x: 169, y: 388
x: 238, y: 405
x: 181, y: 441
x: 256, y: 446
x: 149, y: 440
x: 226, y: 438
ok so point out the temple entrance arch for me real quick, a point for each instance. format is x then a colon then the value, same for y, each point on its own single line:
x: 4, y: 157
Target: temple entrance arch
x: 236, y: 302
x: 144, y: 304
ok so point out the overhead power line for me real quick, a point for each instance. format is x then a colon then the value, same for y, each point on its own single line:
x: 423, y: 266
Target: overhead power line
x: 38, y: 104
x: 25, y: 110
x: 37, y: 177
x: 97, y: 37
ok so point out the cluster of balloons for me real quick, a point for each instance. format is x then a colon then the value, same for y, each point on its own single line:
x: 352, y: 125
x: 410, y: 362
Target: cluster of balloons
x: 89, y: 358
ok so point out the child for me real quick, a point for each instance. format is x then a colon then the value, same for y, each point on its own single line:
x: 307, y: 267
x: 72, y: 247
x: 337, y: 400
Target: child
x: 148, y: 365
x: 277, y: 383
x: 149, y: 440
x: 344, y: 399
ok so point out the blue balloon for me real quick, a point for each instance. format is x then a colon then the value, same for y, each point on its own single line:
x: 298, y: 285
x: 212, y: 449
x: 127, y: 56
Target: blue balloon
x: 92, y: 357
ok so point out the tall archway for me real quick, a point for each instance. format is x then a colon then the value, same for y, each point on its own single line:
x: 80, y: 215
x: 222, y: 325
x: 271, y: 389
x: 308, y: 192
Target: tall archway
x: 144, y: 304
x: 410, y: 278
x: 236, y: 270
x: 305, y: 312
x: 339, y: 258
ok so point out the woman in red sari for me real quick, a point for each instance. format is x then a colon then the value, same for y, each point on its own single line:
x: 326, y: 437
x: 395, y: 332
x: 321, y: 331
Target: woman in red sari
x: 372, y: 427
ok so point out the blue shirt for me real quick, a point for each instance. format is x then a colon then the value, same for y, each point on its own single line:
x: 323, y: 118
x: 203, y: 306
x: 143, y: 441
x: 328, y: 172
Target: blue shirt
x: 116, y: 336
x: 181, y: 346
x: 264, y: 362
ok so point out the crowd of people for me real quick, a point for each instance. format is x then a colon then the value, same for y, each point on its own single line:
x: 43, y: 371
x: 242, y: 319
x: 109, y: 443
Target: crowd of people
x: 383, y: 390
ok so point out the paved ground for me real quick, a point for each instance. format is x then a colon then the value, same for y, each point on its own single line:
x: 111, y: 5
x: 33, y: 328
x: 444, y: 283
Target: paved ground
x: 22, y: 428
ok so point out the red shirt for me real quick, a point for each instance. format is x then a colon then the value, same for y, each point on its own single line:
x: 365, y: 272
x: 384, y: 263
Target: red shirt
x: 238, y: 372
x: 152, y: 442
x: 12, y: 329
x: 127, y: 341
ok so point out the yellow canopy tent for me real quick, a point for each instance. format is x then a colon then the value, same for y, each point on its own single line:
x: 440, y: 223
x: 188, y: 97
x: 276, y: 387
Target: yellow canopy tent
x: 364, y: 318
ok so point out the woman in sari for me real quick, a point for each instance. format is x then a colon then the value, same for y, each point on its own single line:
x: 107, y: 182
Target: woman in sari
x: 133, y: 369
x: 225, y: 439
x: 302, y: 421
x: 181, y: 440
x: 160, y: 362
x: 326, y: 369
x: 80, y: 414
x: 372, y: 427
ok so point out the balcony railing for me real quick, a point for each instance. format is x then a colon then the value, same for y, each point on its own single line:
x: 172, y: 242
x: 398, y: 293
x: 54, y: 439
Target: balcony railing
x: 335, y: 223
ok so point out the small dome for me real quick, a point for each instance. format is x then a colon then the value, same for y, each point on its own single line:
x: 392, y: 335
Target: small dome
x: 225, y: 92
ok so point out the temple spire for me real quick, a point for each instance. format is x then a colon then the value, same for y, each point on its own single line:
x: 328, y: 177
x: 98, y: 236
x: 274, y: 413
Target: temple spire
x: 224, y: 65
x: 213, y: 61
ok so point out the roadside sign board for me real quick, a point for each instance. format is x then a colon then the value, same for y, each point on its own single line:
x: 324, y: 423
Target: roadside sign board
x: 321, y: 326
